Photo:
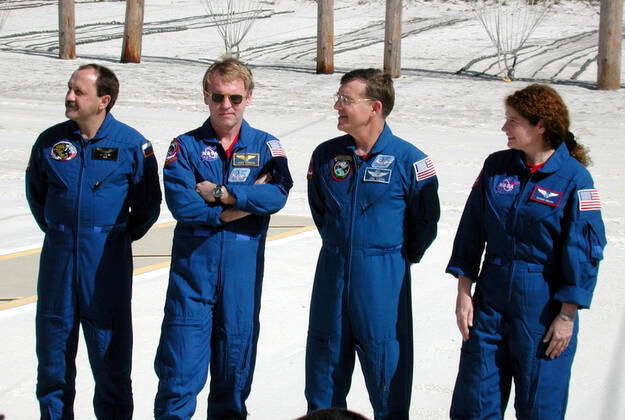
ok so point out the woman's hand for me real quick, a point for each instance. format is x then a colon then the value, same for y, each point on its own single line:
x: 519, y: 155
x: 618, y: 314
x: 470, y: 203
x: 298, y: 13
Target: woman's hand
x: 561, y: 330
x: 464, y: 306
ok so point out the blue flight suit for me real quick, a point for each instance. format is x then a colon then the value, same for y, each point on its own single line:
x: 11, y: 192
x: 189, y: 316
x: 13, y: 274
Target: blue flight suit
x: 215, y: 280
x: 544, y: 238
x: 92, y: 198
x: 375, y: 215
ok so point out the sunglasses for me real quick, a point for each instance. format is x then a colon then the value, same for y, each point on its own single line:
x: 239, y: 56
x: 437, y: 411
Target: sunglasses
x: 219, y: 97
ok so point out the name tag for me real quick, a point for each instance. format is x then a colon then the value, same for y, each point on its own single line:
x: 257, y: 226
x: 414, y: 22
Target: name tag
x: 239, y: 175
x: 546, y: 196
x: 377, y: 175
x: 383, y: 161
x: 246, y: 159
x: 104, y: 153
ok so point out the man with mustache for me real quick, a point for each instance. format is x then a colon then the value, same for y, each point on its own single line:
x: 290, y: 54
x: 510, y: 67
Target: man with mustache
x: 92, y: 186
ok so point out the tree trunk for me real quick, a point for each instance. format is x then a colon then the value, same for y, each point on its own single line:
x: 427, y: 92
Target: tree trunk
x: 325, y: 36
x: 67, y: 30
x: 392, y: 38
x: 133, y: 30
x: 610, y: 35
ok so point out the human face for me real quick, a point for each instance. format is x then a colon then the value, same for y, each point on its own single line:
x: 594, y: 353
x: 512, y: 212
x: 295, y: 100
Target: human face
x: 226, y: 116
x: 356, y: 111
x: 521, y: 134
x: 82, y: 103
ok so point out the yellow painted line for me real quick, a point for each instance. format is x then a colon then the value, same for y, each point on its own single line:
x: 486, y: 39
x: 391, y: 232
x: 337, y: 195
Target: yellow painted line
x: 290, y: 233
x: 18, y: 302
x: 148, y: 268
x: 19, y: 254
x: 37, y: 250
x: 163, y: 225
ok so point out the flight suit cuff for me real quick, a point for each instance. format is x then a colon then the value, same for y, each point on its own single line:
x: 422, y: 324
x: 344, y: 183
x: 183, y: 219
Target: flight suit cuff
x: 574, y: 294
x: 457, y: 272
x: 214, y: 217
x: 241, y: 197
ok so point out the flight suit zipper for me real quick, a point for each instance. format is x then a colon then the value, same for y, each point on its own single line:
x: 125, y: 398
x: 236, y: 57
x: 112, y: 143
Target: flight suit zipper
x: 525, y: 182
x: 81, y: 172
x: 350, y: 242
x: 223, y: 181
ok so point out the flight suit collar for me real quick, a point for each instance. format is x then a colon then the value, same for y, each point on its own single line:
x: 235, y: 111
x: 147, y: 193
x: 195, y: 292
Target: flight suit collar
x: 209, y: 136
x: 380, y: 144
x: 103, y: 131
x: 554, y: 163
x: 556, y: 160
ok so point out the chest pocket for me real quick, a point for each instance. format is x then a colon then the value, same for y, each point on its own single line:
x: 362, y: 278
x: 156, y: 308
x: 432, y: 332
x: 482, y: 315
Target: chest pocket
x: 336, y: 194
x: 62, y: 174
x: 377, y: 184
x: 546, y: 201
x: 502, y: 193
x: 110, y: 171
x: 245, y: 166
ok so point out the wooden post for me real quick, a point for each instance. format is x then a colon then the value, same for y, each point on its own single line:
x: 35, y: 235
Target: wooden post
x: 133, y: 29
x: 610, y: 35
x: 325, y: 36
x: 67, y: 30
x: 392, y: 38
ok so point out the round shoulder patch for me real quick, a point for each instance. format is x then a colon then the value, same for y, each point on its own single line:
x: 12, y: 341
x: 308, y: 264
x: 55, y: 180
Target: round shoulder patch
x: 172, y: 152
x: 341, y: 168
x: 63, y: 150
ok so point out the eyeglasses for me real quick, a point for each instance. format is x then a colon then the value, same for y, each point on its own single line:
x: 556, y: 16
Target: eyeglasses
x: 219, y: 97
x: 345, y: 100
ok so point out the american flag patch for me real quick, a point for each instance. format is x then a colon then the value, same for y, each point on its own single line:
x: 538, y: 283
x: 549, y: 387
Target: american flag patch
x: 424, y: 169
x: 589, y: 200
x: 276, y: 148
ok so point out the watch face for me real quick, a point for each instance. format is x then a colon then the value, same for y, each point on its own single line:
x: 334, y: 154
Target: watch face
x: 218, y: 193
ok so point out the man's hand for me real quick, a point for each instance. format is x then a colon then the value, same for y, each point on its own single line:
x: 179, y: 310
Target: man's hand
x: 206, y: 190
x: 561, y: 330
x: 464, y: 306
x: 263, y: 179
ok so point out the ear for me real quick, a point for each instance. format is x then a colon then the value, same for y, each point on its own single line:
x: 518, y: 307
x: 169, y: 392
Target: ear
x: 540, y: 127
x: 377, y: 107
x: 248, y: 100
x: 104, y: 102
x: 206, y: 98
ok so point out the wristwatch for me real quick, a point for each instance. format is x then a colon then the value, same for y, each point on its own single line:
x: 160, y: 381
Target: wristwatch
x: 218, y: 192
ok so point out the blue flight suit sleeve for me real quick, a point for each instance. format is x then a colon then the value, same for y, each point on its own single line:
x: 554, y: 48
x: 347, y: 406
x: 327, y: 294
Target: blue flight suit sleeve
x: 36, y: 186
x: 422, y: 215
x: 470, y: 238
x: 584, y: 240
x: 185, y: 204
x: 315, y: 197
x: 265, y: 198
x: 145, y: 201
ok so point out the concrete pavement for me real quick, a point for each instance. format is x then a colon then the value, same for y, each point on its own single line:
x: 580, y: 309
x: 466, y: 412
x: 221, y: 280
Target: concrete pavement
x: 153, y: 251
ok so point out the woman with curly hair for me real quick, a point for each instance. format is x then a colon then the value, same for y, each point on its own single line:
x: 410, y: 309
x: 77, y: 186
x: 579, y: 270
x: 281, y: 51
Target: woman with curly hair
x: 534, y: 215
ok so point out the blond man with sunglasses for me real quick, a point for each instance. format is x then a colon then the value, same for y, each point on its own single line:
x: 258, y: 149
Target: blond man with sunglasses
x: 222, y: 182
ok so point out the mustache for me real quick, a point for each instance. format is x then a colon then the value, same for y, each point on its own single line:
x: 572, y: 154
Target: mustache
x: 70, y: 104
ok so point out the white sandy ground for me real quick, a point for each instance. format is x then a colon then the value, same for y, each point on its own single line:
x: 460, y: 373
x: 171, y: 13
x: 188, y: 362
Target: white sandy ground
x: 454, y: 118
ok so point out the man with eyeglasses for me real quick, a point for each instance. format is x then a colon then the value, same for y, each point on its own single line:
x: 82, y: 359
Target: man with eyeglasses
x: 373, y: 197
x: 222, y: 182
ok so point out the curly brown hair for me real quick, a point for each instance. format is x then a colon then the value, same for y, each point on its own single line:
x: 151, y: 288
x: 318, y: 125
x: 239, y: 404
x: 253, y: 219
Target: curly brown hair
x: 542, y: 103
